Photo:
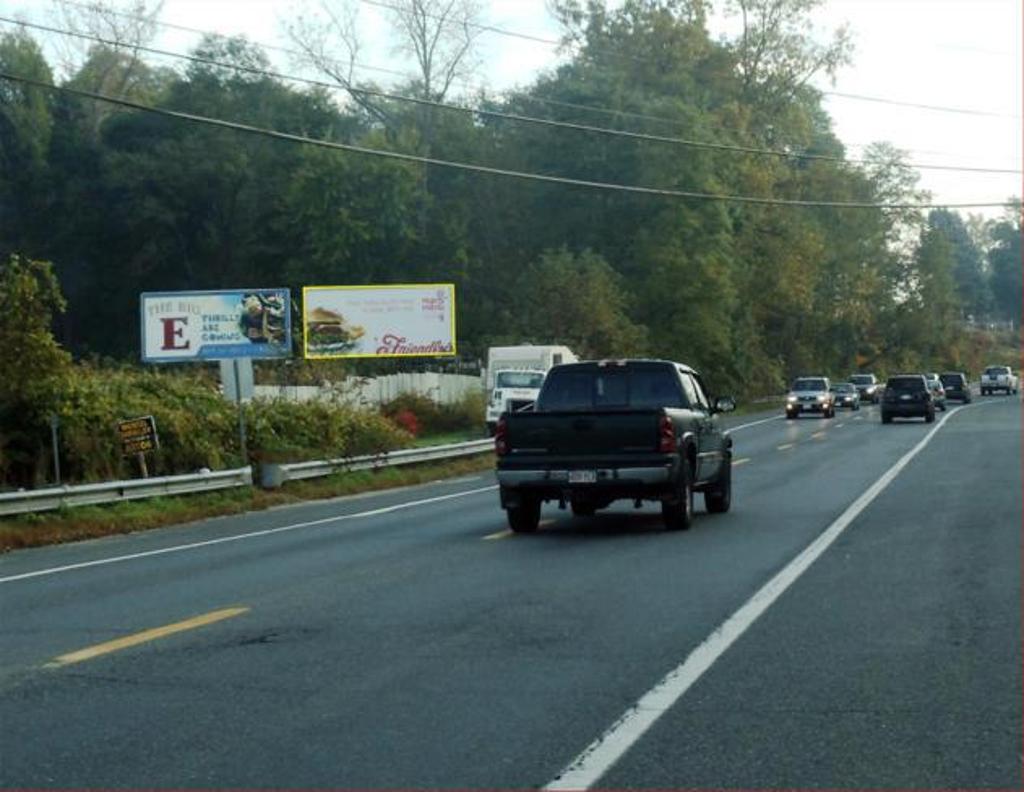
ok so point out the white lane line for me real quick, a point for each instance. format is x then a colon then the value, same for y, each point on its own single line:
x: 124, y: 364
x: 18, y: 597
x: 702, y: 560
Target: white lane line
x: 755, y: 423
x: 741, y: 461
x: 250, y: 535
x: 598, y: 757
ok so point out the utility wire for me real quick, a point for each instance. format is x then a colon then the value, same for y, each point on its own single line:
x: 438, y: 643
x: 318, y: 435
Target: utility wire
x: 506, y: 32
x: 465, y: 166
x: 610, y: 50
x: 475, y: 25
x: 395, y: 72
x: 640, y: 136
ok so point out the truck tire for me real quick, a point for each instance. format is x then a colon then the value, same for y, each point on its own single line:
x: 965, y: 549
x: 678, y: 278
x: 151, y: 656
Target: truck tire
x: 718, y: 497
x: 929, y: 417
x: 677, y: 513
x: 525, y: 517
x: 886, y: 418
x: 582, y: 509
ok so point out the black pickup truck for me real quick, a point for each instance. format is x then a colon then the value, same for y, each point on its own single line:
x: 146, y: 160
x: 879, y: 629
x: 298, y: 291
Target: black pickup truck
x: 612, y: 430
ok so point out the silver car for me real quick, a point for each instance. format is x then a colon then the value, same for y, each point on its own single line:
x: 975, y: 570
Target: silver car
x: 810, y: 395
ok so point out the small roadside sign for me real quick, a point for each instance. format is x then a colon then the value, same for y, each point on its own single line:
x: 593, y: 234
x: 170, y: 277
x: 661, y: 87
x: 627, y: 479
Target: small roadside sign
x: 138, y: 435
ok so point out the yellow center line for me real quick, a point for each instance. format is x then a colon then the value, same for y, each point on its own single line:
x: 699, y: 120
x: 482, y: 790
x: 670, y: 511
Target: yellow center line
x: 784, y: 446
x: 143, y: 637
x: 741, y: 461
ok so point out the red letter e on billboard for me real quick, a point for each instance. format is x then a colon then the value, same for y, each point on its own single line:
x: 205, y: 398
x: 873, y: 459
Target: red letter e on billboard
x: 172, y: 332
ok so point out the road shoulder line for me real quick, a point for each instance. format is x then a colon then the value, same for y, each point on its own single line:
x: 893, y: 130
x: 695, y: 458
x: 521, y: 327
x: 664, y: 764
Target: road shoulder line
x: 599, y: 757
x: 250, y: 535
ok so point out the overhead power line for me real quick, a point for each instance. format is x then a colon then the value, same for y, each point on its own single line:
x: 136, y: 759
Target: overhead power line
x: 517, y: 34
x: 468, y: 23
x: 636, y: 136
x: 611, y: 50
x: 501, y: 172
x: 401, y: 74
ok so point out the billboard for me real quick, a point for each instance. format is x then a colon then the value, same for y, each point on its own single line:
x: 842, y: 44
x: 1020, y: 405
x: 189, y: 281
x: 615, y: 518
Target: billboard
x: 216, y: 325
x: 408, y: 320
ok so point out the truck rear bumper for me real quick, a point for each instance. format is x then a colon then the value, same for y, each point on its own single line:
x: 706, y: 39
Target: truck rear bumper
x: 604, y: 477
x: 610, y: 484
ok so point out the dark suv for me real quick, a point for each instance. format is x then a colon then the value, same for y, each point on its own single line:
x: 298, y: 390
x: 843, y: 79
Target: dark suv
x: 956, y: 385
x: 907, y: 396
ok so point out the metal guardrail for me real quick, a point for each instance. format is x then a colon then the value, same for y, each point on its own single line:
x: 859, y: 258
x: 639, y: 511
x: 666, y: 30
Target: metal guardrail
x: 274, y: 475
x: 113, y: 491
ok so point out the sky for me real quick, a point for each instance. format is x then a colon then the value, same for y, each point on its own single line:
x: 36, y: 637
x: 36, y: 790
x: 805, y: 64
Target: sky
x: 961, y: 54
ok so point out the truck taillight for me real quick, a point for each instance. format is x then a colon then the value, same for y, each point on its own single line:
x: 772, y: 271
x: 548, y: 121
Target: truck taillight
x: 501, y: 438
x: 666, y: 436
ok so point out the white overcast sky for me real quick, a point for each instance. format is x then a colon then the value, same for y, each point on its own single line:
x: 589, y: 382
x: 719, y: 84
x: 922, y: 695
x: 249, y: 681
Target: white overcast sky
x: 952, y: 53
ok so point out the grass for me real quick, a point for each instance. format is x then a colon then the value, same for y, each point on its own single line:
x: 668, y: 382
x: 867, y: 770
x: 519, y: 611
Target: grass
x: 92, y: 522
x: 459, y: 436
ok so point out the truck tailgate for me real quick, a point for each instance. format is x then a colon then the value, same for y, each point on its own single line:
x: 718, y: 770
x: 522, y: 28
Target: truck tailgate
x: 583, y: 434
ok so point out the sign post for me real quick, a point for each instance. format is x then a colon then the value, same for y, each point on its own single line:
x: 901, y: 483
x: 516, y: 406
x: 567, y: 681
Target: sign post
x: 54, y: 427
x: 138, y: 435
x: 241, y: 412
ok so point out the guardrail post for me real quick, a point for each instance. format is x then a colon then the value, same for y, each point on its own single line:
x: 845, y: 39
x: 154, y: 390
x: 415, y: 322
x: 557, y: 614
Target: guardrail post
x: 272, y: 476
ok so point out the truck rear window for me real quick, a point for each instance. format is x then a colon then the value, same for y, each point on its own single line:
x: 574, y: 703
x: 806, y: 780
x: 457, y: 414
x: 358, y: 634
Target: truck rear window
x: 906, y: 383
x: 519, y: 379
x: 995, y: 371
x: 610, y: 388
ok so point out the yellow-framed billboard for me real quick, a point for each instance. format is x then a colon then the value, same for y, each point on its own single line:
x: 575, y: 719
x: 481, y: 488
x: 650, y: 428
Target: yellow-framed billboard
x: 381, y: 321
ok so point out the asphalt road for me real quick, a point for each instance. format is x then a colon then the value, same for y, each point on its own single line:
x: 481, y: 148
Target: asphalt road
x: 406, y: 639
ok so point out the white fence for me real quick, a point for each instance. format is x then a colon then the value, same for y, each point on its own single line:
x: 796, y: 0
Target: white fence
x: 372, y: 391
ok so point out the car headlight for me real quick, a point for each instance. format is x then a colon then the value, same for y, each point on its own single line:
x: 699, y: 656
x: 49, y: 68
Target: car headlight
x: 822, y: 398
x: 791, y: 399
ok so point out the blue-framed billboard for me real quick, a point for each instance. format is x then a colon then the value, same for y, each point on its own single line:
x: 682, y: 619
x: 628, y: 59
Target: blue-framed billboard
x: 215, y: 325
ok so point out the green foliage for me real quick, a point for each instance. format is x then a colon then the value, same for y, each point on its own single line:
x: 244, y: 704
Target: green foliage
x: 124, y: 202
x: 1005, y: 261
x: 467, y: 414
x: 580, y: 301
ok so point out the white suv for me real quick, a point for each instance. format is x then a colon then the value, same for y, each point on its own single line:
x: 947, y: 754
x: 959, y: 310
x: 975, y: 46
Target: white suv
x: 811, y: 394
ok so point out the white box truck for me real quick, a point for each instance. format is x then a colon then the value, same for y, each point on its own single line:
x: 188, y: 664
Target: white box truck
x: 514, y: 375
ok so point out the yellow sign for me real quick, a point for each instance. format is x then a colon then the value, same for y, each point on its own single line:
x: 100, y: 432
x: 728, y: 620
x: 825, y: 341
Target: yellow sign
x: 402, y: 320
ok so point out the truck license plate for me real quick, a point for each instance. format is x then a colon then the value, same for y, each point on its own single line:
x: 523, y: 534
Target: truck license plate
x: 582, y: 476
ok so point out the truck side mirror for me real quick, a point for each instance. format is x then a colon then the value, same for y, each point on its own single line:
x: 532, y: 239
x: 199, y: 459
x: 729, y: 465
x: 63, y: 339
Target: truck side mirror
x: 725, y: 404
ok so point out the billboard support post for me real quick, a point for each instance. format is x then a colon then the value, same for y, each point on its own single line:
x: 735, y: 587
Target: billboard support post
x: 241, y: 414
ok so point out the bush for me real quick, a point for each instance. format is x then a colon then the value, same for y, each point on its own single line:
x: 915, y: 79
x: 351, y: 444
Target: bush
x: 465, y: 415
x: 196, y: 426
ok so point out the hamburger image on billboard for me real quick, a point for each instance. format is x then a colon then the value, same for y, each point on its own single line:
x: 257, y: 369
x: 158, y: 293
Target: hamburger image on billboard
x: 407, y: 320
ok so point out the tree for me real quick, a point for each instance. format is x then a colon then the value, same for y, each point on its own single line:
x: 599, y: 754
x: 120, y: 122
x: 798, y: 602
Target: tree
x: 577, y: 300
x: 39, y: 370
x: 968, y: 269
x: 113, y: 67
x: 26, y: 128
x: 1005, y: 261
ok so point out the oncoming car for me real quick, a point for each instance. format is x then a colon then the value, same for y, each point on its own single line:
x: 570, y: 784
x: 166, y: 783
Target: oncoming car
x: 867, y: 386
x: 810, y: 394
x: 846, y: 394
